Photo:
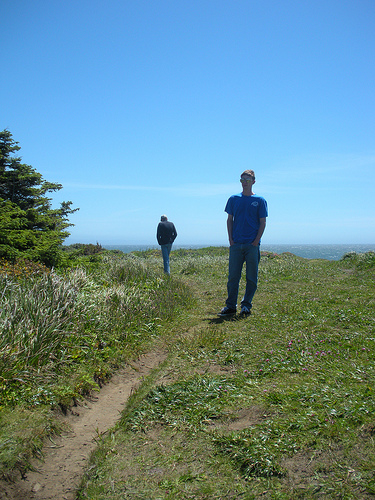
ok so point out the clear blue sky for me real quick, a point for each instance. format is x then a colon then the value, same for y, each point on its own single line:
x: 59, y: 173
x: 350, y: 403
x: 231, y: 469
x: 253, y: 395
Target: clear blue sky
x: 145, y: 107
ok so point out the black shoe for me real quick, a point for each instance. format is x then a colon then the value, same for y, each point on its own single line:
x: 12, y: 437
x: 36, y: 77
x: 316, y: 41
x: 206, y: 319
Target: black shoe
x: 245, y: 311
x: 227, y: 311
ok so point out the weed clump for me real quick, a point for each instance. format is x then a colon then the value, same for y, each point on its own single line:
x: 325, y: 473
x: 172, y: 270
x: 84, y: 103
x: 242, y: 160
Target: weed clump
x: 64, y: 332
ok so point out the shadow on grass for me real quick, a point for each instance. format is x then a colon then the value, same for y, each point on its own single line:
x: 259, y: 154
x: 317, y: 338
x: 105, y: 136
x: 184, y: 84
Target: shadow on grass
x: 222, y: 319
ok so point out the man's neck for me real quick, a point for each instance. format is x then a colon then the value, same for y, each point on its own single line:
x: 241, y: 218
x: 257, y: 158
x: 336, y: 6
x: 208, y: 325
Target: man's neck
x: 247, y: 192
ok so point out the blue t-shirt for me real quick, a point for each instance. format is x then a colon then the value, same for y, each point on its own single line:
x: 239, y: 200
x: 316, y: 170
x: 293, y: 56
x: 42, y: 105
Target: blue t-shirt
x: 246, y: 211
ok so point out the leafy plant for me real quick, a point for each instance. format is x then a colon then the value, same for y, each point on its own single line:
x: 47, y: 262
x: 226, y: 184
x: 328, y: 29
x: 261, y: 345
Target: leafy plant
x: 253, y: 454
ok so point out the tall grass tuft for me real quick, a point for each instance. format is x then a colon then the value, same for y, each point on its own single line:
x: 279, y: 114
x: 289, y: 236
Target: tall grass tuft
x: 52, y: 322
x: 63, y: 332
x: 35, y: 317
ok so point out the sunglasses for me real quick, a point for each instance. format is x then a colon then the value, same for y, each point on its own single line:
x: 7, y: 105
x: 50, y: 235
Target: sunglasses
x: 246, y: 180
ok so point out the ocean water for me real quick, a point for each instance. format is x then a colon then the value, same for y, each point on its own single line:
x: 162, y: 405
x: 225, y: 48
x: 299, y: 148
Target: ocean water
x: 329, y: 252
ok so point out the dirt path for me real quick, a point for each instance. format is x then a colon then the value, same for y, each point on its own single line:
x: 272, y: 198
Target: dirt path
x: 66, y: 458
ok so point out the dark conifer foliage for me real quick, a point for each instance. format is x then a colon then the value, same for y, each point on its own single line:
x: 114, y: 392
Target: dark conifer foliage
x: 29, y: 227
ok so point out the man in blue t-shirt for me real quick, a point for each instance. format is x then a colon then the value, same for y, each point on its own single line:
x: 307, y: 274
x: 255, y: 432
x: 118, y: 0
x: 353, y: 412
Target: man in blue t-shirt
x: 246, y: 223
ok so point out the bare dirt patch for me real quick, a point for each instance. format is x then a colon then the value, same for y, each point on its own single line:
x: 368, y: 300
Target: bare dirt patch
x: 67, y: 456
x: 247, y: 417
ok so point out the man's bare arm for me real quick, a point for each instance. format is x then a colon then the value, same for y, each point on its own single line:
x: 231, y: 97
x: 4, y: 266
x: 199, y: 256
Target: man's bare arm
x: 230, y: 229
x: 262, y: 227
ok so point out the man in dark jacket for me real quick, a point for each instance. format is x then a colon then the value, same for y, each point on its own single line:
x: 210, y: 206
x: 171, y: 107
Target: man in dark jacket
x: 166, y: 234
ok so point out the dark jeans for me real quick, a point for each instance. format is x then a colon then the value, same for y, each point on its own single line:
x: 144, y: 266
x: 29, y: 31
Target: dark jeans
x: 238, y: 254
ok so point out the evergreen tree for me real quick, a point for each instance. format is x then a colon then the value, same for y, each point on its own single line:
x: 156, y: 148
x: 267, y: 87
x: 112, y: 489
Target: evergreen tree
x: 29, y: 227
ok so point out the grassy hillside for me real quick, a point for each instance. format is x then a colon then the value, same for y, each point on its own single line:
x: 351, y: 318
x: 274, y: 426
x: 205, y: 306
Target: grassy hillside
x: 278, y: 405
x: 64, y: 332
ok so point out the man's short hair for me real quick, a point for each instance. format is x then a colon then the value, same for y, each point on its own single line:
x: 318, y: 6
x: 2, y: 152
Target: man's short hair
x: 163, y: 218
x: 249, y: 172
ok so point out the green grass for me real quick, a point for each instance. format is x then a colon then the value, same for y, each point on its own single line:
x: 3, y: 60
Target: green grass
x: 279, y: 405
x: 63, y: 333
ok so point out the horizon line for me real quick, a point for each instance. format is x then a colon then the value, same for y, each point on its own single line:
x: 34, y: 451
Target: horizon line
x: 222, y: 244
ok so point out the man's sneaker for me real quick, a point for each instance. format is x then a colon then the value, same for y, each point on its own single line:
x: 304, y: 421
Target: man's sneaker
x: 227, y: 311
x: 245, y: 311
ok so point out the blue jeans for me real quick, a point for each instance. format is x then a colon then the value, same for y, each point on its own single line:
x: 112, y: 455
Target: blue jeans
x: 238, y: 254
x: 166, y: 250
